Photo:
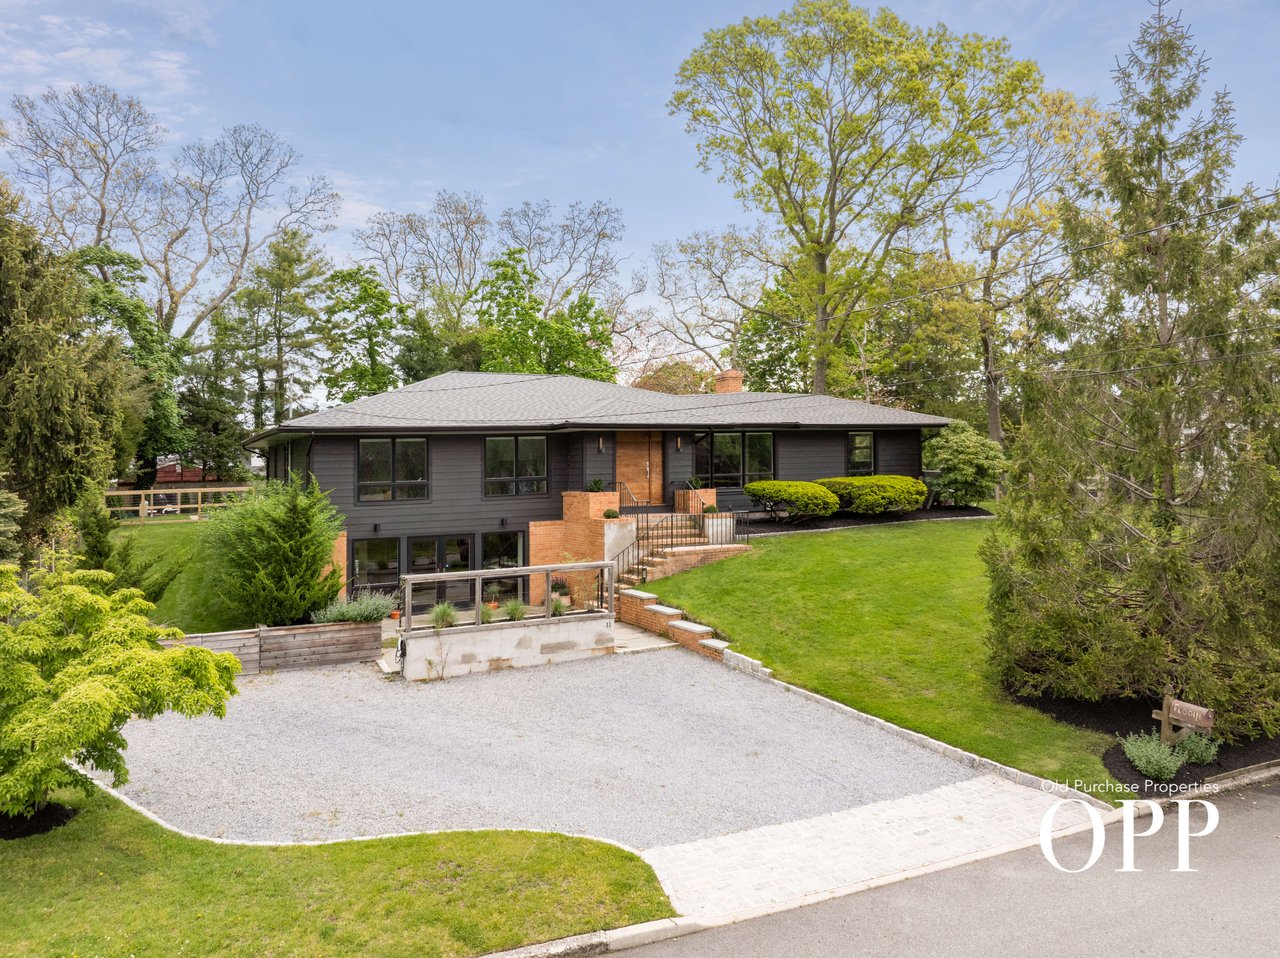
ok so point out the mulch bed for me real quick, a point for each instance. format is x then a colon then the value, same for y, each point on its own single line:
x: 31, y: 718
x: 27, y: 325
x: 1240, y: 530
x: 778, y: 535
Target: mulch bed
x: 844, y: 520
x: 47, y: 819
x: 1121, y: 717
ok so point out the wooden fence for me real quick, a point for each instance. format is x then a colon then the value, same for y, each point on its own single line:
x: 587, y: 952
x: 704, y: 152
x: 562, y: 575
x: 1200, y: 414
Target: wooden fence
x: 295, y: 646
x: 144, y: 504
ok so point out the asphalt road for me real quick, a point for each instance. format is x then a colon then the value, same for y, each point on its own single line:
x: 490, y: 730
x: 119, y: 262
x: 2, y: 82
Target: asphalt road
x: 1018, y: 904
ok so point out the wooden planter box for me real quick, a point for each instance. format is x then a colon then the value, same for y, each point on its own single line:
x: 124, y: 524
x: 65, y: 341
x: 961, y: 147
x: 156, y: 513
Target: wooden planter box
x: 330, y: 643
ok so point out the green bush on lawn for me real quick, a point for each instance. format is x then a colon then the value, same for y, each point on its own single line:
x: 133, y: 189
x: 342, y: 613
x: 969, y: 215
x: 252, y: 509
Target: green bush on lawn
x: 799, y: 500
x: 873, y: 495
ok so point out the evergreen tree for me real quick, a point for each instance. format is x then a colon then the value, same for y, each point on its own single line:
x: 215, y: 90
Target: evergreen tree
x: 1140, y: 542
x: 65, y: 390
x: 278, y: 338
x: 211, y: 402
x: 11, y: 510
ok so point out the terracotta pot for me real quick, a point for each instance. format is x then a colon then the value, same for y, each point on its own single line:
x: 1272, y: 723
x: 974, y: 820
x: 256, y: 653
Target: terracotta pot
x: 395, y: 613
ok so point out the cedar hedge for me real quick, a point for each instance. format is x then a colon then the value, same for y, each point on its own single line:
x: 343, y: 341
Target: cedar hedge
x: 872, y: 495
x: 799, y: 500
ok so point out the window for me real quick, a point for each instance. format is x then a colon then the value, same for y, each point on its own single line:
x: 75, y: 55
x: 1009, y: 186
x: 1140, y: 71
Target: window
x: 441, y: 554
x: 732, y: 459
x: 376, y: 563
x: 502, y: 550
x: 515, y: 465
x: 391, y: 469
x: 862, y: 453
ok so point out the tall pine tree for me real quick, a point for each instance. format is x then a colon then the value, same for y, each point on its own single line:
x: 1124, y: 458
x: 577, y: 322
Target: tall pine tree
x: 1140, y: 542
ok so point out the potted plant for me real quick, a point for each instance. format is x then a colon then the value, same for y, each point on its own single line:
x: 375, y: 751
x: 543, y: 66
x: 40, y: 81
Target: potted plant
x: 560, y: 588
x: 492, y: 593
x: 514, y: 610
x: 395, y: 615
x: 595, y: 485
x: 558, y: 608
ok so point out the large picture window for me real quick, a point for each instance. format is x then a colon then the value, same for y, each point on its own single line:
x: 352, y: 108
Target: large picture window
x: 392, y: 469
x: 862, y: 453
x: 732, y: 459
x: 515, y: 465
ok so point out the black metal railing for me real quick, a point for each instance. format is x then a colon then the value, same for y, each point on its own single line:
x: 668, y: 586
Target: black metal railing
x: 676, y: 530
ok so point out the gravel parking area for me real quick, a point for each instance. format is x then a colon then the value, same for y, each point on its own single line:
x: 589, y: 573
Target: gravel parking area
x: 650, y: 749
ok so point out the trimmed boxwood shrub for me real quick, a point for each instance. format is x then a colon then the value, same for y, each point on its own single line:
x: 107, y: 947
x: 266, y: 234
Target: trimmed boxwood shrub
x: 872, y: 495
x: 800, y: 500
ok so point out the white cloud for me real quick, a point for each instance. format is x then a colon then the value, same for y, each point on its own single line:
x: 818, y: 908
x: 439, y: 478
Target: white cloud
x: 60, y: 50
x: 186, y: 19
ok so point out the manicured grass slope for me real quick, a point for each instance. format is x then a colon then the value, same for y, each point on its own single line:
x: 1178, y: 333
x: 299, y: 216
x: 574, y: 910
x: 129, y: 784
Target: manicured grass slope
x: 111, y: 883
x: 889, y: 620
x: 190, y: 602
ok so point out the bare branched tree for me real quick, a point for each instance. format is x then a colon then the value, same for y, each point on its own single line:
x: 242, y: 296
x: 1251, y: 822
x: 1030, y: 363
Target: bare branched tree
x: 431, y: 261
x: 86, y: 156
x: 91, y: 159
x: 709, y: 284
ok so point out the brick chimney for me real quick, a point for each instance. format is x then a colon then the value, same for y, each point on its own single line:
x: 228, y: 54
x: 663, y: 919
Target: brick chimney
x: 729, y: 381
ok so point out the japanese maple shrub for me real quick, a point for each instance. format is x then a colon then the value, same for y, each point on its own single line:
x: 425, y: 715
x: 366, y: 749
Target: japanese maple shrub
x: 76, y: 662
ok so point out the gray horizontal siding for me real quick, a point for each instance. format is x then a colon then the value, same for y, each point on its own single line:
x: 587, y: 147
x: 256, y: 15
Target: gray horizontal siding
x: 898, y: 452
x: 457, y: 504
x: 596, y: 464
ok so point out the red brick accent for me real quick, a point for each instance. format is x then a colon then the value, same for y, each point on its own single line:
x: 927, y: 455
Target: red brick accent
x: 684, y: 561
x: 339, y: 560
x: 632, y: 610
x: 578, y: 537
x: 693, y: 501
x: 729, y: 381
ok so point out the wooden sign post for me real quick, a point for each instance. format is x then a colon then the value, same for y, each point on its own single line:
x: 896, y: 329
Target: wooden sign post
x: 1189, y: 718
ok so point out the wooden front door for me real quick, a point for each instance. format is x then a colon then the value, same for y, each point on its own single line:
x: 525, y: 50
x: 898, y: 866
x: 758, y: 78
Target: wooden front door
x: 638, y: 466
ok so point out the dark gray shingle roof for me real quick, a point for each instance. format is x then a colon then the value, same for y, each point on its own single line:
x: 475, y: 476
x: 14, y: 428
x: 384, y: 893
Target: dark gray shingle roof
x: 461, y: 401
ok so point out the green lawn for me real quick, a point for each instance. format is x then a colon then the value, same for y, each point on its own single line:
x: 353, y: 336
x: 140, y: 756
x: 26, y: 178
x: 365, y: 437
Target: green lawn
x: 889, y: 620
x: 189, y: 602
x: 112, y: 884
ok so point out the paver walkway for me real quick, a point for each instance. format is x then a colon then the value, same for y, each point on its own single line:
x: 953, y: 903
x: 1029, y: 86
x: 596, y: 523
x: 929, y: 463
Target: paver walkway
x: 779, y: 863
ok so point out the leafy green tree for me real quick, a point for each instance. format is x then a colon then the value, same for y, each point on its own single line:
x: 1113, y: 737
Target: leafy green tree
x: 518, y: 338
x: 211, y: 401
x: 274, y: 552
x: 76, y: 663
x: 360, y: 323
x: 11, y: 510
x: 65, y: 389
x: 849, y: 131
x: 113, y: 280
x: 969, y: 464
x: 1139, y: 545
x: 277, y: 324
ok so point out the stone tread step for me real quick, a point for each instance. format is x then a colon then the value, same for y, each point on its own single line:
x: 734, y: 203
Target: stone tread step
x: 694, y: 627
x: 662, y: 609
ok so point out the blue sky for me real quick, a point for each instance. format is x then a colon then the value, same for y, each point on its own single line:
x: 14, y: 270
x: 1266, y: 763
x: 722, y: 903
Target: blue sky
x: 520, y: 100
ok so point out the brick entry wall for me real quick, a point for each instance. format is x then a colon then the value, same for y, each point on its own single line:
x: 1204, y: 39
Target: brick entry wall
x: 579, y: 537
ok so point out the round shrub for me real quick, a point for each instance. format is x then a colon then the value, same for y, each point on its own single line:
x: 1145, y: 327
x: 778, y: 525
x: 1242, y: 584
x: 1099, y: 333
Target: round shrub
x: 799, y: 500
x: 709, y: 510
x: 611, y: 514
x: 872, y: 495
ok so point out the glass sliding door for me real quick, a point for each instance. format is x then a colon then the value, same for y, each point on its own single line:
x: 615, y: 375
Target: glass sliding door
x: 503, y: 550
x: 428, y: 554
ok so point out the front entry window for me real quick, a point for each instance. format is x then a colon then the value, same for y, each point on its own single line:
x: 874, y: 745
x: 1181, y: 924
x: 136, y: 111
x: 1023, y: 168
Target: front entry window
x: 732, y: 459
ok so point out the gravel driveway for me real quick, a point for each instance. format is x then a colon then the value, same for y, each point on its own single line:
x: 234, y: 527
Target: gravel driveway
x: 647, y: 749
